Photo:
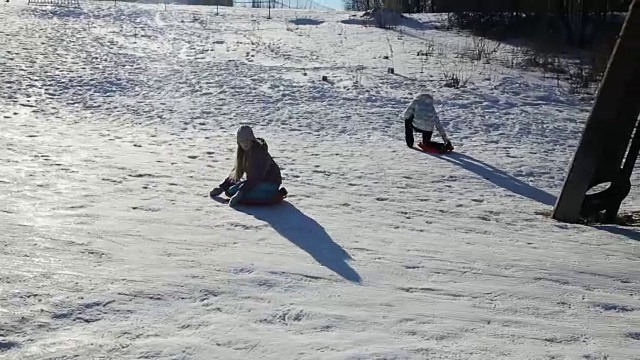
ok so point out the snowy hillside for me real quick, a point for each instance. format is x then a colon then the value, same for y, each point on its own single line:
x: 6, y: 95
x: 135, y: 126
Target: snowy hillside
x: 118, y: 120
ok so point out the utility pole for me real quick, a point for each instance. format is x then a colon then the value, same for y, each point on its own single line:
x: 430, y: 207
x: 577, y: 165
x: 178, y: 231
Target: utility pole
x: 609, y: 130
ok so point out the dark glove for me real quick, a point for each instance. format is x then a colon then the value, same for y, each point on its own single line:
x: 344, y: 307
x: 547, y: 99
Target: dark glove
x: 216, y: 192
x: 448, y: 146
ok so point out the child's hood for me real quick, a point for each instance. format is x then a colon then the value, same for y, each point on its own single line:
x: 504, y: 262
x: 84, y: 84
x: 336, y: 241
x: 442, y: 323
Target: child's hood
x: 263, y: 143
x: 425, y: 97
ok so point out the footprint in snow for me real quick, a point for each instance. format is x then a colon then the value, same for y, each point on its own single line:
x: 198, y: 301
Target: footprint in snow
x: 6, y: 345
x: 634, y: 335
x: 286, y: 316
x: 615, y: 307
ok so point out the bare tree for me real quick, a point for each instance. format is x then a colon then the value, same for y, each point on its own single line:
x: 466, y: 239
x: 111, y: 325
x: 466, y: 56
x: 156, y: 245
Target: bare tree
x: 362, y: 5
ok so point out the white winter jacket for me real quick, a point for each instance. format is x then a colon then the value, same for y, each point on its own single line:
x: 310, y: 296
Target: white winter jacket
x: 424, y: 115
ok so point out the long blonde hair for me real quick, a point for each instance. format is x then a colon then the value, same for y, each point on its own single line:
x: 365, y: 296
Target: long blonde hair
x: 240, y: 165
x: 242, y: 160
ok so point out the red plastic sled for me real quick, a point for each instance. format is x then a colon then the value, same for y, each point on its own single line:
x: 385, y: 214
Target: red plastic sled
x: 434, y: 150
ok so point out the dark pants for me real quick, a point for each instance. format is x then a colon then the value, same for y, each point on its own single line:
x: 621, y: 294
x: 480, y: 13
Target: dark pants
x: 426, y: 135
x: 262, y: 192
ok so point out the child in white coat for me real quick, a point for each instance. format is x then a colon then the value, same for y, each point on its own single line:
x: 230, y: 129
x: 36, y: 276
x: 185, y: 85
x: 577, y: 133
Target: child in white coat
x: 421, y: 116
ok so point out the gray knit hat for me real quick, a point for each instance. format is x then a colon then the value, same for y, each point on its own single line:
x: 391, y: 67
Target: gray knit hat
x: 245, y: 133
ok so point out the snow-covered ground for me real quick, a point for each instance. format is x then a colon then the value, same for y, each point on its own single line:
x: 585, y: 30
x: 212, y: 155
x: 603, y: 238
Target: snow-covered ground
x: 118, y: 120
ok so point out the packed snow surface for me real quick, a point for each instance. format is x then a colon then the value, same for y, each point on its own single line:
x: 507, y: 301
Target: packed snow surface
x: 117, y: 120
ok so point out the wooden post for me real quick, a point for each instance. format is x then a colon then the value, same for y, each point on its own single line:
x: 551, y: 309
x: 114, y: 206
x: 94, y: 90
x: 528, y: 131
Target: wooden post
x: 610, y: 126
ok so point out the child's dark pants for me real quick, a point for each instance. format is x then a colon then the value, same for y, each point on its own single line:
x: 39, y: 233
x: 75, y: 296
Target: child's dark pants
x: 426, y: 135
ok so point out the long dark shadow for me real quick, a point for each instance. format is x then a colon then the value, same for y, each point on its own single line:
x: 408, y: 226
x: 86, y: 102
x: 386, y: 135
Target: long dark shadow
x: 620, y: 230
x: 307, y: 234
x: 499, y: 177
x: 515, y: 185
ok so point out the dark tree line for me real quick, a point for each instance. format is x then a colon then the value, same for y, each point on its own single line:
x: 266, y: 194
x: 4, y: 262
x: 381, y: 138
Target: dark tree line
x: 576, y: 22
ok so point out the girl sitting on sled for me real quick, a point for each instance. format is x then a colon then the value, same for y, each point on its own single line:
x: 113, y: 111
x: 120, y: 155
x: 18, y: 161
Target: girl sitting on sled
x: 262, y: 185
